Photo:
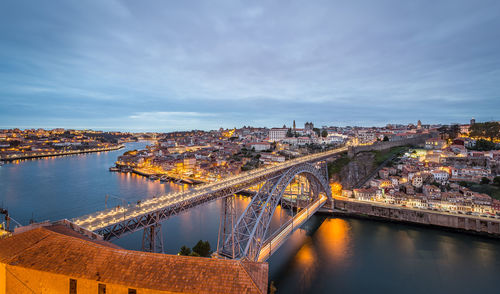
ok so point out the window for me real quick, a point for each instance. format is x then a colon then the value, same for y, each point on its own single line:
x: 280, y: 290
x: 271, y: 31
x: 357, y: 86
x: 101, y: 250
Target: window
x: 132, y: 291
x: 102, y: 289
x: 72, y: 286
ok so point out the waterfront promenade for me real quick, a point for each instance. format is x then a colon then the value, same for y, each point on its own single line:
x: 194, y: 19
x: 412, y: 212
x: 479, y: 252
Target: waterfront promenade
x: 460, y: 222
x: 59, y: 153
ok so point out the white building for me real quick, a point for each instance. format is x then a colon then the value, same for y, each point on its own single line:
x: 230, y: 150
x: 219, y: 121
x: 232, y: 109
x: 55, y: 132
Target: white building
x: 260, y: 146
x: 365, y: 137
x: 277, y: 134
x: 440, y: 176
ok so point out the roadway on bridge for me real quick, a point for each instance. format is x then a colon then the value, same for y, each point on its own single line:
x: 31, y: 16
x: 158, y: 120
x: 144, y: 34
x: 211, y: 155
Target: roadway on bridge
x: 110, y: 217
x: 275, y: 242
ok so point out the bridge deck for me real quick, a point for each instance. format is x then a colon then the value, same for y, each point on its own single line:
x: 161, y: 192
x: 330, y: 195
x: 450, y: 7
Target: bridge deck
x: 103, y: 220
x: 274, y: 242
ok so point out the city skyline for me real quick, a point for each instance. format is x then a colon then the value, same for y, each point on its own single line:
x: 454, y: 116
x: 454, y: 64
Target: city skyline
x: 165, y: 67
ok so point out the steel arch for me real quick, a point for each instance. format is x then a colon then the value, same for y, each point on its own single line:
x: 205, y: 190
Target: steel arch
x: 251, y: 227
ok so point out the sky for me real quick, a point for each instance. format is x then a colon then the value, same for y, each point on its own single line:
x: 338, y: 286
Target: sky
x: 182, y: 65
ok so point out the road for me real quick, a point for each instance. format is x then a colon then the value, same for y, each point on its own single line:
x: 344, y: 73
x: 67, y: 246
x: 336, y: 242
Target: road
x: 381, y: 204
x: 297, y: 221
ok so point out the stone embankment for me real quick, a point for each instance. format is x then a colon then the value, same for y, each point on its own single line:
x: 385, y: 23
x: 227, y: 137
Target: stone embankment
x: 465, y: 223
x: 60, y: 153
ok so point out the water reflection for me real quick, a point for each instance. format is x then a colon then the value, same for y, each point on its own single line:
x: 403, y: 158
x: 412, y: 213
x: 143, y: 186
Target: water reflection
x: 324, y: 256
x: 306, y: 260
x: 334, y: 240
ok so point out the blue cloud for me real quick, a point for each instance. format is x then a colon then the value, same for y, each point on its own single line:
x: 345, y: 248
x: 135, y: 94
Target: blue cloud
x: 232, y: 63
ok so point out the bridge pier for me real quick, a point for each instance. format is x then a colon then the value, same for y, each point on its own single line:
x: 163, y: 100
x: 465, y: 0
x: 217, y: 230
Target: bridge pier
x: 226, y: 223
x: 152, y: 237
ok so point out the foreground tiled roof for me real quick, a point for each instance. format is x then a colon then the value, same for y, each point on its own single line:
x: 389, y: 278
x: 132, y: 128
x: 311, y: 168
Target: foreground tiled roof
x: 52, y: 250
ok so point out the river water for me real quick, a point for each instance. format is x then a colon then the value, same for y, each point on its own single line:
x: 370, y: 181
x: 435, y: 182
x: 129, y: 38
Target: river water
x: 327, y: 255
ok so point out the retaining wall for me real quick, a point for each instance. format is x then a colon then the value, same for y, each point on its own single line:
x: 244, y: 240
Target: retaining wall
x: 457, y: 222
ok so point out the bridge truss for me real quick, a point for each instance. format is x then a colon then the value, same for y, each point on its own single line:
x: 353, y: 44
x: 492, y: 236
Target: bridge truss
x: 246, y: 237
x: 147, y: 214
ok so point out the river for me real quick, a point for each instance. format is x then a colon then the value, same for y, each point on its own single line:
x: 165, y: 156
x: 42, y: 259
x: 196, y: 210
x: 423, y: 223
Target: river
x: 327, y: 255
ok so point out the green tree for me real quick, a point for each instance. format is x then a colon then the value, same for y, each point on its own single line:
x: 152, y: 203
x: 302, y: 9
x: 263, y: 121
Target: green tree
x: 317, y: 131
x: 289, y: 133
x: 484, y: 145
x: 485, y: 181
x: 450, y: 132
x: 386, y: 139
x: 203, y: 248
x: 496, y: 180
x: 194, y: 254
x: 185, y: 250
x: 324, y: 133
x: 490, y: 130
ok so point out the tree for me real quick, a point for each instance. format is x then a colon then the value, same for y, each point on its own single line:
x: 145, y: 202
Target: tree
x: 485, y: 181
x: 449, y: 131
x: 324, y: 133
x: 386, y: 139
x: 490, y: 130
x: 496, y: 180
x: 484, y: 145
x: 317, y: 131
x: 289, y: 133
x: 454, y: 131
x: 203, y: 248
x: 185, y: 251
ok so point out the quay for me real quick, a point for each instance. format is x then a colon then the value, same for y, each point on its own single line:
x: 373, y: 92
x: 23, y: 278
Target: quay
x: 60, y: 153
x: 477, y: 225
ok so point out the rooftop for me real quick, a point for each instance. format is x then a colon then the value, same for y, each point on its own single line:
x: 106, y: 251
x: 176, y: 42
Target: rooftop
x: 59, y: 250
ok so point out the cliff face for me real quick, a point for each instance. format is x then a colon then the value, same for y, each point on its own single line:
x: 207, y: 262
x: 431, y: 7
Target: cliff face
x: 357, y: 169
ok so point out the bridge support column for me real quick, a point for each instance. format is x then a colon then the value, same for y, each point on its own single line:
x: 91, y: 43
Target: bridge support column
x: 152, y: 237
x: 227, y: 221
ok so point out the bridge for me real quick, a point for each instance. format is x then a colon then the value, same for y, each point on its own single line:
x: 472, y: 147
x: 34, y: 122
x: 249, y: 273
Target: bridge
x: 241, y: 238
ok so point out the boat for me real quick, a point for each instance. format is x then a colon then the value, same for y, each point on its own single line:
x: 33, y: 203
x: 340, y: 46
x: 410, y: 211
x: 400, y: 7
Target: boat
x: 114, y: 169
x: 153, y: 177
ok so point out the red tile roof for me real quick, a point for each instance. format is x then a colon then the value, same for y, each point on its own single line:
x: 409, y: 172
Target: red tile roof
x: 51, y: 250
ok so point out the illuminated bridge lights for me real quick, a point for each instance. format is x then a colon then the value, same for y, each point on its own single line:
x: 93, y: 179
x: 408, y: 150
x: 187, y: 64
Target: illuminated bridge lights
x: 109, y: 219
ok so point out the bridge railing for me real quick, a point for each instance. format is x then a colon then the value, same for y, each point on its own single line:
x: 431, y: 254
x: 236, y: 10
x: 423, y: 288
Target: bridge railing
x: 152, y: 204
x: 276, y: 239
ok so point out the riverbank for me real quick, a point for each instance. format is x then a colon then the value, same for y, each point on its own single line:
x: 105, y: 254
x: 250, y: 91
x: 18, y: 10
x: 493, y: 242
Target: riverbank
x: 462, y: 223
x: 61, y: 153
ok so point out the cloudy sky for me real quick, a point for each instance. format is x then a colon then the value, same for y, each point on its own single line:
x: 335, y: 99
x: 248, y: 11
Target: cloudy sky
x: 178, y: 65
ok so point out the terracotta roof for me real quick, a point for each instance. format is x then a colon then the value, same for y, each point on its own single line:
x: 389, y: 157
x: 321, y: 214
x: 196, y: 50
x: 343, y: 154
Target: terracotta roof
x: 50, y: 250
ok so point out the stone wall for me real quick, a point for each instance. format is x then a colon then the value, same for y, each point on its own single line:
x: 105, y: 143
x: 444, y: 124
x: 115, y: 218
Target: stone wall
x: 457, y: 222
x: 380, y: 145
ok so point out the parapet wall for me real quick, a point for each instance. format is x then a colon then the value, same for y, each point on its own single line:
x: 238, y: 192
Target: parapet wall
x: 456, y: 222
x: 380, y: 145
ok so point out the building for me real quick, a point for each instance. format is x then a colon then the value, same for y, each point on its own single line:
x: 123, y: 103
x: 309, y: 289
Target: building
x: 440, y: 176
x: 260, y: 146
x: 365, y: 137
x: 435, y: 143
x: 308, y: 126
x: 417, y: 181
x: 56, y: 259
x: 277, y: 134
x: 365, y: 194
x: 189, y: 163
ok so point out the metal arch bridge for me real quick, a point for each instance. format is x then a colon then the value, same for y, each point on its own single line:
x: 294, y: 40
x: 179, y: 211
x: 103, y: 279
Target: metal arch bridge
x: 246, y: 237
x: 147, y: 215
